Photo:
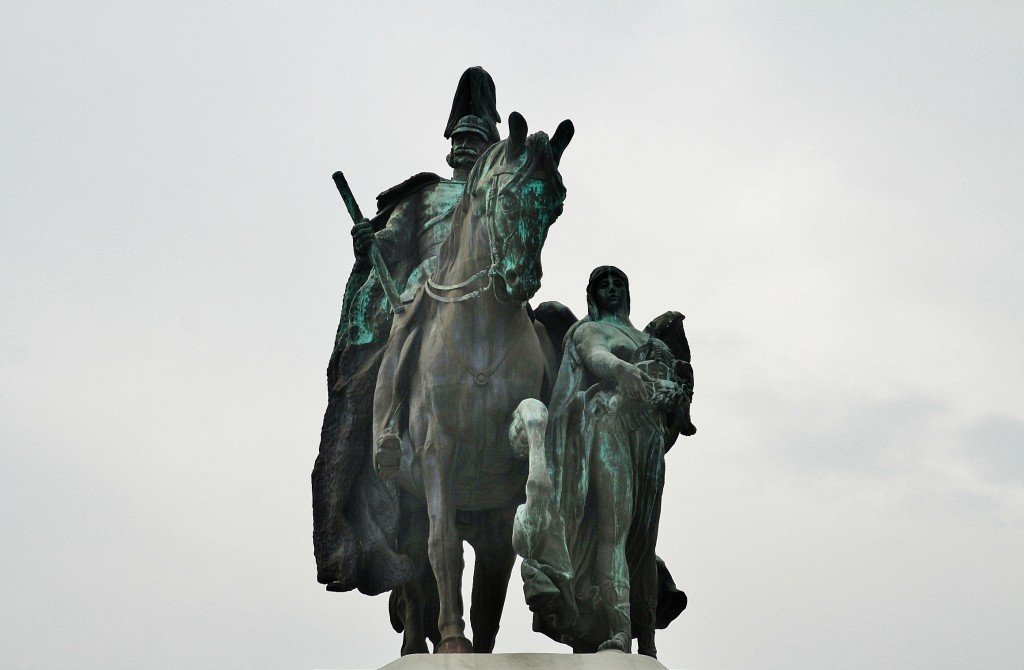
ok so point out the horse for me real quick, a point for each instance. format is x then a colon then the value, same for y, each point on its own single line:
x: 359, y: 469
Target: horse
x: 479, y: 356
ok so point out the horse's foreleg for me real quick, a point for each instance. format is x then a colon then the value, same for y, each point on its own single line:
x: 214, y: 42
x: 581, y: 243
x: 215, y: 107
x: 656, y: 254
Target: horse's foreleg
x: 494, y: 561
x: 416, y: 604
x: 444, y: 547
x: 526, y: 435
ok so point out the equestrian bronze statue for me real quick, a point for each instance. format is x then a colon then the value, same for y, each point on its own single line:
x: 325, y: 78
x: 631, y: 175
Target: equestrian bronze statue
x: 457, y: 412
x: 355, y: 513
x: 470, y: 353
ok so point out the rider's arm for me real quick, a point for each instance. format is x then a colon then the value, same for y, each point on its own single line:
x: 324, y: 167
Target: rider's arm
x: 399, y: 234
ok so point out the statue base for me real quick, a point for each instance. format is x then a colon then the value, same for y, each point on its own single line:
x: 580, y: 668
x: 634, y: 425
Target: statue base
x: 602, y: 660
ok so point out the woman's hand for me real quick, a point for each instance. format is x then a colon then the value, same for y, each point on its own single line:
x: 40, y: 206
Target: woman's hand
x: 632, y: 381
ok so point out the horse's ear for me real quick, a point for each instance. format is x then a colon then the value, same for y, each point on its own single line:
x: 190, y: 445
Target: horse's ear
x: 516, y: 133
x: 560, y: 140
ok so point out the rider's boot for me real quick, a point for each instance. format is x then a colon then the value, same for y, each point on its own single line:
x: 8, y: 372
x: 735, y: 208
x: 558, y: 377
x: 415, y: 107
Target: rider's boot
x: 400, y: 359
x: 387, y: 452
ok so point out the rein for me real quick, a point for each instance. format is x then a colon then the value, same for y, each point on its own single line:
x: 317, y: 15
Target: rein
x: 432, y: 286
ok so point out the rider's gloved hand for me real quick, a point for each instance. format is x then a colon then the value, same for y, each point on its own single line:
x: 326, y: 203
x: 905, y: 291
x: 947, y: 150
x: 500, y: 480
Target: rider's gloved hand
x: 362, y: 238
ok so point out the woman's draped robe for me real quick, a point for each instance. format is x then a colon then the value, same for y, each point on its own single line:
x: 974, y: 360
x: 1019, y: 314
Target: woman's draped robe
x: 597, y: 444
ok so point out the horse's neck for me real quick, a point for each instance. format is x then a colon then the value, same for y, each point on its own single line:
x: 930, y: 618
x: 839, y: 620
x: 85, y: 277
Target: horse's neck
x: 485, y: 321
x: 471, y: 253
x: 483, y: 315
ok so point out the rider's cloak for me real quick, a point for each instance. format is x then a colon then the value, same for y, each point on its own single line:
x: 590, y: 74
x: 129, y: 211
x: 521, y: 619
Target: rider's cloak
x: 355, y: 513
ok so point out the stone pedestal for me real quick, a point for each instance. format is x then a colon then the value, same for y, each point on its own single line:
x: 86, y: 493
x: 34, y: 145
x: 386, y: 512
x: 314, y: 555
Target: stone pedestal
x: 603, y: 660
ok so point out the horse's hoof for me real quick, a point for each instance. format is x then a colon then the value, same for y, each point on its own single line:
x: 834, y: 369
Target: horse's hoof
x: 454, y: 645
x: 645, y: 645
x: 619, y: 642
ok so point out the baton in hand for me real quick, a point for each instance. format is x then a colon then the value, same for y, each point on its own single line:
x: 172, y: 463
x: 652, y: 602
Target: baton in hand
x: 390, y: 290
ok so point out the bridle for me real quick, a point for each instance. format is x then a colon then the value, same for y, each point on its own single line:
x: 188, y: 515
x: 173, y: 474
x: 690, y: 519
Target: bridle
x: 493, y: 235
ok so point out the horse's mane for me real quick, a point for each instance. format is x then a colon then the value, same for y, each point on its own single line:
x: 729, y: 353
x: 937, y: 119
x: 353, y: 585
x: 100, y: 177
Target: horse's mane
x: 538, y: 157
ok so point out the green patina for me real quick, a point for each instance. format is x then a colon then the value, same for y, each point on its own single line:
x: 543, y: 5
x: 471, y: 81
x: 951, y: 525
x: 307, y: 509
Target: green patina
x: 544, y: 204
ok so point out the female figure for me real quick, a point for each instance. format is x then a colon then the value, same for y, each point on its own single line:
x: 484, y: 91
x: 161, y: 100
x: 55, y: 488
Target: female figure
x: 590, y: 571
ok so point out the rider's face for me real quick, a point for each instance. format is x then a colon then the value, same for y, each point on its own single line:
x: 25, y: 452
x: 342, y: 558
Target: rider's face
x: 466, y: 148
x: 611, y: 294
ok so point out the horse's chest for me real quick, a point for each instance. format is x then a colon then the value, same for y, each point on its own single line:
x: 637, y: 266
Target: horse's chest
x: 472, y: 404
x: 470, y: 391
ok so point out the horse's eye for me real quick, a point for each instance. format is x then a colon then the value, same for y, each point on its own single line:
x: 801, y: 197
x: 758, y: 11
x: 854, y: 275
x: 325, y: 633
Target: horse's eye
x: 508, y: 203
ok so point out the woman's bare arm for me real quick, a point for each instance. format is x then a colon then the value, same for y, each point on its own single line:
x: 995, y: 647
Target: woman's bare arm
x: 593, y: 342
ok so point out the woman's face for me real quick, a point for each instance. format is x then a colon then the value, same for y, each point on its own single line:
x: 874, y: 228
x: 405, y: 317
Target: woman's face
x: 611, y: 294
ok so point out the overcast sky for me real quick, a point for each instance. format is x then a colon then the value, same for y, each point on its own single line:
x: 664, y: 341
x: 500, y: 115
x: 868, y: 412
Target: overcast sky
x: 833, y: 194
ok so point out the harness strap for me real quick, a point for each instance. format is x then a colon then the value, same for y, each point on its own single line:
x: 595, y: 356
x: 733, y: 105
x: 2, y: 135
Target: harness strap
x: 481, y: 378
x: 431, y: 285
x: 469, y: 296
x: 452, y: 287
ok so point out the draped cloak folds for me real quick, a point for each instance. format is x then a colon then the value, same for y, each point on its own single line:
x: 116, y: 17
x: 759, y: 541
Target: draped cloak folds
x: 355, y: 513
x: 589, y: 422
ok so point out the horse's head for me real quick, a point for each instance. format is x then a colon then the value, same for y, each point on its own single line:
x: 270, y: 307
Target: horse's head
x: 516, y: 189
